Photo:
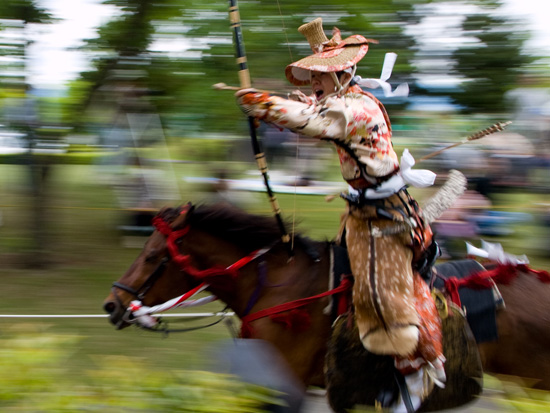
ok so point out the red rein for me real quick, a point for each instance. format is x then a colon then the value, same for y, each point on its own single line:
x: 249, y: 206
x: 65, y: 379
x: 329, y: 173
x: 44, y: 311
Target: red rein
x: 294, y: 319
x: 502, y: 274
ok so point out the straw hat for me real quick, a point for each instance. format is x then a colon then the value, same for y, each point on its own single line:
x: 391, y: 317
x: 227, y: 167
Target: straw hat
x: 331, y: 55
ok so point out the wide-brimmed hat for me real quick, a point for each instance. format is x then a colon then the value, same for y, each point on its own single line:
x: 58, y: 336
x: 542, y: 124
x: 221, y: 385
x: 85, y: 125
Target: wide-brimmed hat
x: 331, y: 55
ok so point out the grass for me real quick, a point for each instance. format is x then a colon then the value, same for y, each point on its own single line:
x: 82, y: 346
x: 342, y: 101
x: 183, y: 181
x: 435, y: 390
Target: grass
x: 86, y: 255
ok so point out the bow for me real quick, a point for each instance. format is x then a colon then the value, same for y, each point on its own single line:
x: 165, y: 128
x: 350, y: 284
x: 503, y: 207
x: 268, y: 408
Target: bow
x: 244, y: 80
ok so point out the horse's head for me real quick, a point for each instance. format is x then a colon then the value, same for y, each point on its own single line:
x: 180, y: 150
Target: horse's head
x: 194, y: 247
x: 240, y: 258
x: 154, y: 277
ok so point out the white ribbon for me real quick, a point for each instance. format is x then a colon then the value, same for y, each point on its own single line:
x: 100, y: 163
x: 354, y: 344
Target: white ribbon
x: 400, y: 91
x: 142, y: 313
x: 495, y: 252
x: 420, y: 178
x: 168, y: 305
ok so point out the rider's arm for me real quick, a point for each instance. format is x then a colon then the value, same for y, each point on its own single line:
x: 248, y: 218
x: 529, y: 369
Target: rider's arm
x: 355, y: 120
x: 317, y: 121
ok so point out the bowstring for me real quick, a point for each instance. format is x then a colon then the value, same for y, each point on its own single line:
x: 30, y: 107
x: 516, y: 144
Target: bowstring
x: 284, y: 31
x: 297, y: 157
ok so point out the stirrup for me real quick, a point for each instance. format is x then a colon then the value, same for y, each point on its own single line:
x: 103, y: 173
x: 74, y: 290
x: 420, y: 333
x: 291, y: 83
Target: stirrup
x: 405, y: 403
x: 388, y: 397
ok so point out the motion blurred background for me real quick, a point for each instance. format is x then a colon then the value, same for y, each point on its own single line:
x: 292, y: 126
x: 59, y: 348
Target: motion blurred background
x: 107, y: 113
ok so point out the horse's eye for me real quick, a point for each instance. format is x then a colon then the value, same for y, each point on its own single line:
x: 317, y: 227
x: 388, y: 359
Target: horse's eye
x: 152, y: 256
x: 150, y: 259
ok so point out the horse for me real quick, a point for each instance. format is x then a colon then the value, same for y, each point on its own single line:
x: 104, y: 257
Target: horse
x: 240, y: 258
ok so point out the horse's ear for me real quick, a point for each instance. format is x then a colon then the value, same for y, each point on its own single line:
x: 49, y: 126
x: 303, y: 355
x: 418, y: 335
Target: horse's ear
x: 189, y: 207
x: 186, y: 209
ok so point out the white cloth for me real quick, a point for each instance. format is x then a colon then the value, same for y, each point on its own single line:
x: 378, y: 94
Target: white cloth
x: 420, y: 385
x: 420, y: 178
x: 415, y: 383
x: 400, y: 91
x: 495, y: 252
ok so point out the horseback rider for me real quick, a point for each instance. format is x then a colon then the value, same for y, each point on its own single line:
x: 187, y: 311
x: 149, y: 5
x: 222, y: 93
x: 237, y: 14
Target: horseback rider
x: 388, y: 241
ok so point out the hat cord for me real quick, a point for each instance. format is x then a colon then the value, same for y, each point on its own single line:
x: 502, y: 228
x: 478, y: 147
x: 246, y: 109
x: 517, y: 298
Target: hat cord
x: 352, y: 73
x: 339, y: 89
x: 337, y: 86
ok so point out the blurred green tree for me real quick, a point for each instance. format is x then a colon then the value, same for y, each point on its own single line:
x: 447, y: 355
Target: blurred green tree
x: 493, y: 63
x: 16, y: 16
x: 181, y: 48
x: 126, y: 71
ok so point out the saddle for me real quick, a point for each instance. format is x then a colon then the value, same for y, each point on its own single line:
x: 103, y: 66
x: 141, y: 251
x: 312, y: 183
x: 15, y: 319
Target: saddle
x: 356, y: 376
x: 480, y: 305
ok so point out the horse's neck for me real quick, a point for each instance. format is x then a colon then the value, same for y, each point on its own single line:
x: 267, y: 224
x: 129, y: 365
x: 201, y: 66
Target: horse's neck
x: 209, y: 252
x: 266, y: 281
x: 273, y: 280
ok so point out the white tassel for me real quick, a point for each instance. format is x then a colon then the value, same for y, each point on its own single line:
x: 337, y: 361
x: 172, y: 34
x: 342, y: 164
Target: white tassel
x: 495, y: 252
x: 147, y: 321
x: 142, y: 313
x: 400, y: 91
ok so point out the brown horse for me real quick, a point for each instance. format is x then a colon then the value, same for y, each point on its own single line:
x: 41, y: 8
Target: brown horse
x: 218, y: 245
x: 217, y: 237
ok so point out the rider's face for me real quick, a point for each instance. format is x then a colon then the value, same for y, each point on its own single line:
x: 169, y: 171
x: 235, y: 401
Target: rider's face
x: 322, y: 84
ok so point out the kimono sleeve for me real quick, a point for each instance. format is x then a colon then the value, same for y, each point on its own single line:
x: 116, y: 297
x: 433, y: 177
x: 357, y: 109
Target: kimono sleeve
x: 317, y: 121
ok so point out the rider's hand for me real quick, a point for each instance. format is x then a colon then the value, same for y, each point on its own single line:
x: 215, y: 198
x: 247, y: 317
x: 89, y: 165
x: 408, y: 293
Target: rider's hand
x: 245, y: 91
x: 298, y: 96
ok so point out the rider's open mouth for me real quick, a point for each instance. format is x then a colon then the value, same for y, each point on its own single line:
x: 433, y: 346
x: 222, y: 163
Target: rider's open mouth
x: 319, y: 93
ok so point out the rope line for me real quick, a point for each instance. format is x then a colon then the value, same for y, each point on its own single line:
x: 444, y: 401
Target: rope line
x: 218, y: 314
x: 257, y: 210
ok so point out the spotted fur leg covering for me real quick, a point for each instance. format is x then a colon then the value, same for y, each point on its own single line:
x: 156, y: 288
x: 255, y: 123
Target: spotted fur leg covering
x: 383, y: 292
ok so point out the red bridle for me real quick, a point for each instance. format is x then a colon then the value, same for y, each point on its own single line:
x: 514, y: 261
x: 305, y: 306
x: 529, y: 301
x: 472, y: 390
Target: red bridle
x: 184, y: 261
x: 143, y: 314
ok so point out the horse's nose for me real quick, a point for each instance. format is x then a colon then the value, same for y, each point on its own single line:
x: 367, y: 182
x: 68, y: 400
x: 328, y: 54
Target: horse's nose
x: 116, y: 311
x: 110, y: 307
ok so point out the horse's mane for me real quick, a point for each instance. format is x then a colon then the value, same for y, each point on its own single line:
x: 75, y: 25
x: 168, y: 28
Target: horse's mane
x: 226, y: 221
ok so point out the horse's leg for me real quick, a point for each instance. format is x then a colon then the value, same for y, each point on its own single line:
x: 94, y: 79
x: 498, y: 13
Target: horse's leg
x: 304, y: 351
x: 523, y: 347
